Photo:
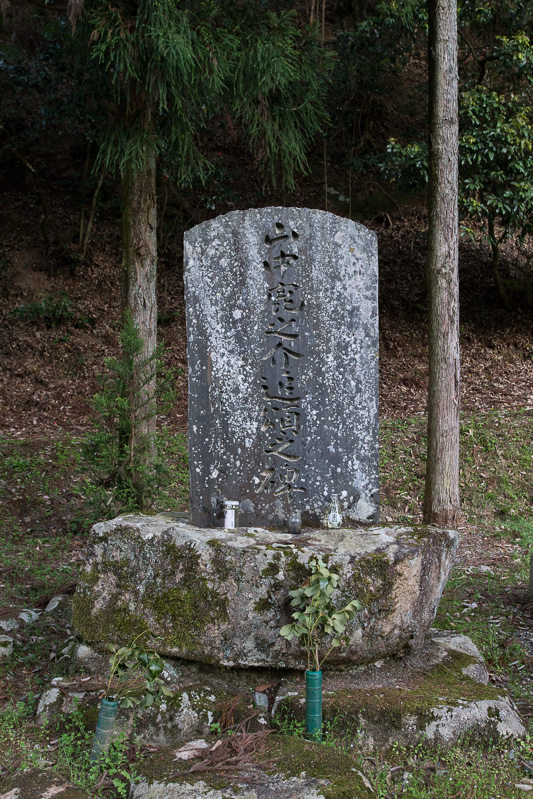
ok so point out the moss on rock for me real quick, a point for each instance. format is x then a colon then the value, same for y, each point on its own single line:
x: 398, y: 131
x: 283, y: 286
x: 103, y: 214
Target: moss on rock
x: 386, y: 713
x: 292, y: 756
x: 371, y: 581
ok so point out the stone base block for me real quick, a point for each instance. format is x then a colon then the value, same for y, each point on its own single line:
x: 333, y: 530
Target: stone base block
x: 218, y: 597
x: 292, y: 768
x: 435, y: 696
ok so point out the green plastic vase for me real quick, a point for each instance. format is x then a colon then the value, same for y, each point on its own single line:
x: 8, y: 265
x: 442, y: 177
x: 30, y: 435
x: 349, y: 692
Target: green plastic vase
x: 104, y: 729
x: 313, y: 705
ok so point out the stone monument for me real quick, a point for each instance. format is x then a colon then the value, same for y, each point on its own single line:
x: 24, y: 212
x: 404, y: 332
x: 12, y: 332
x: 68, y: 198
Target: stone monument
x: 282, y: 323
x: 283, y: 401
x: 282, y: 347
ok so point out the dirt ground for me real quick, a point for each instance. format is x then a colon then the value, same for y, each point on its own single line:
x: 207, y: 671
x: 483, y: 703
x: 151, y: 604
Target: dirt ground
x: 47, y: 375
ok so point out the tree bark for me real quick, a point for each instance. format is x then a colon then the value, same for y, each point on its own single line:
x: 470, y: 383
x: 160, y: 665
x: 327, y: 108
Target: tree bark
x: 441, y: 500
x: 139, y: 272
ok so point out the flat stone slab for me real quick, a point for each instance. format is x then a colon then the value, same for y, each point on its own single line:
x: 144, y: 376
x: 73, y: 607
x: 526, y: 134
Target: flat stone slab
x: 433, y: 696
x: 219, y: 597
x: 284, y: 768
x: 436, y: 696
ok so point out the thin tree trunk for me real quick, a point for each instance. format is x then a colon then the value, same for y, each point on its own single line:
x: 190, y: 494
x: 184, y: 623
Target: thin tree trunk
x: 139, y: 265
x: 441, y: 500
x: 89, y: 228
x: 500, y: 287
x: 84, y: 181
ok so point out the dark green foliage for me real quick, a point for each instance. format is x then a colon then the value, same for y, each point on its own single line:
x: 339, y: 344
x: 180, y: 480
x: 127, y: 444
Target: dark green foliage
x: 121, y: 478
x: 496, y: 160
x: 277, y: 92
x: 51, y: 310
x: 495, y: 150
x: 135, y: 675
x: 369, y: 61
x: 176, y: 66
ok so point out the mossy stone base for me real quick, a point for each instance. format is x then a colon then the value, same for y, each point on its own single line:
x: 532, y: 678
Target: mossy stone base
x: 37, y: 784
x: 287, y: 768
x: 436, y: 696
x: 218, y: 597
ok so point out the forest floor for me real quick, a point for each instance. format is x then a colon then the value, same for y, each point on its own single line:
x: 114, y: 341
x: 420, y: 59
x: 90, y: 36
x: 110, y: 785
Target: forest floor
x: 59, y: 321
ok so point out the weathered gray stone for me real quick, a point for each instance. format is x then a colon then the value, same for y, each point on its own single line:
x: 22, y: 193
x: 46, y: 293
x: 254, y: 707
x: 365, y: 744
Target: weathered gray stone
x: 433, y: 695
x: 455, y: 642
x: 6, y: 646
x: 58, y: 604
x: 57, y: 702
x: 219, y: 597
x: 85, y: 658
x: 494, y: 718
x: 283, y: 366
x: 28, y: 616
x: 9, y: 625
x: 272, y: 787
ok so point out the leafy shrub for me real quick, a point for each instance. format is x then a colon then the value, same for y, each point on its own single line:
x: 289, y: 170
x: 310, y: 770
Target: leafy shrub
x: 315, y: 617
x: 122, y: 477
x: 53, y: 311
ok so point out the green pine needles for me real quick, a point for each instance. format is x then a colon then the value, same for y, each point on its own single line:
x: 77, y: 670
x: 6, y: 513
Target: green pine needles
x: 124, y: 474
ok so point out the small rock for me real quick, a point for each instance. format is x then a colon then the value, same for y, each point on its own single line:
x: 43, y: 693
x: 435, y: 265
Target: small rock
x: 455, y: 642
x: 261, y: 700
x: 55, y: 602
x: 477, y: 672
x: 86, y: 659
x: 50, y: 700
x: 29, y: 616
x: 9, y: 625
x: 192, y: 749
x: 6, y: 646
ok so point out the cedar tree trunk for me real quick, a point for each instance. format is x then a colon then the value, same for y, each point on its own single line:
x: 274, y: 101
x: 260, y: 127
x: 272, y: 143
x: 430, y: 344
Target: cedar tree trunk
x: 139, y: 265
x: 441, y: 500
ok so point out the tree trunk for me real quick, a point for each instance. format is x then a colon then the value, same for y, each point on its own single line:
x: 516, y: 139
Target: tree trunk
x: 139, y: 272
x: 500, y: 287
x: 441, y: 500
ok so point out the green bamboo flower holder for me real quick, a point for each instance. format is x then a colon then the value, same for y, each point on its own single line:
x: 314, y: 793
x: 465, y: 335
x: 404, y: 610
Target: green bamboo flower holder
x: 104, y: 729
x: 313, y: 705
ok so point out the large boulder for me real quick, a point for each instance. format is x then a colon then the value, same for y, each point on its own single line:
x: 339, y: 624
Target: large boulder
x: 220, y: 597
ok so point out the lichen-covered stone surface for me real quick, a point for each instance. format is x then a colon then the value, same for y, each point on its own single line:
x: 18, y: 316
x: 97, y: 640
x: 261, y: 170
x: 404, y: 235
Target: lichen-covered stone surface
x: 219, y: 597
x: 271, y: 787
x: 434, y: 696
x: 282, y: 326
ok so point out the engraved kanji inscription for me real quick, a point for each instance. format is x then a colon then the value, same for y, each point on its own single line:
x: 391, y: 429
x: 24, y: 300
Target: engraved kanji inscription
x: 281, y: 417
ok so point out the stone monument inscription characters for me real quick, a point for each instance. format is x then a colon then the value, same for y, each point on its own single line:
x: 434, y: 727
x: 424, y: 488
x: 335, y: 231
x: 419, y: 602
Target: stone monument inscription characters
x: 283, y: 370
